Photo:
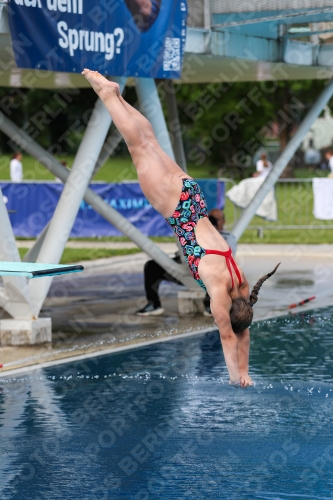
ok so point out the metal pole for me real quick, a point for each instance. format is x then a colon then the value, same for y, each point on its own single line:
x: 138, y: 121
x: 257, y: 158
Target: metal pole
x: 174, y: 125
x: 15, y: 298
x: 150, y: 106
x: 110, y: 214
x: 32, y: 253
x: 69, y: 203
x: 282, y: 161
x: 175, y: 129
x: 108, y: 149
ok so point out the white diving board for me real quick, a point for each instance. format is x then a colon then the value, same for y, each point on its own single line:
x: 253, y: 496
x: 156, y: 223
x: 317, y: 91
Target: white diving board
x: 36, y: 270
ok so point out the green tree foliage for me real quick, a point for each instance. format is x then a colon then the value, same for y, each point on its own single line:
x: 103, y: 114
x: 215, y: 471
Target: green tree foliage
x: 222, y: 122
x: 228, y: 123
x: 56, y: 119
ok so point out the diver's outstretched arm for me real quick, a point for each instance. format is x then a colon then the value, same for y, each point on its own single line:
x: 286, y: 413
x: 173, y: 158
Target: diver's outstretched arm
x: 243, y: 357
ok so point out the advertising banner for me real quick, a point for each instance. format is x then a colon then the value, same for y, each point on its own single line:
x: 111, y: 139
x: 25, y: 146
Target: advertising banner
x: 31, y: 206
x: 138, y: 38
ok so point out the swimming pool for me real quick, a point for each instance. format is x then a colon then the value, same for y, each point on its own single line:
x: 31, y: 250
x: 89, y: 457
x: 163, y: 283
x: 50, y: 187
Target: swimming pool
x: 162, y: 422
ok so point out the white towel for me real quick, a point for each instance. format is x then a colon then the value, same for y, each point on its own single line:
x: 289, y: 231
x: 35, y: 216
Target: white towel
x: 244, y: 192
x: 322, y: 198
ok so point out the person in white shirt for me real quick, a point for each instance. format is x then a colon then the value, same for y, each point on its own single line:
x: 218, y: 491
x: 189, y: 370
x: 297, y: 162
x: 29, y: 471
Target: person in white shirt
x: 329, y: 157
x: 263, y: 166
x: 16, y: 170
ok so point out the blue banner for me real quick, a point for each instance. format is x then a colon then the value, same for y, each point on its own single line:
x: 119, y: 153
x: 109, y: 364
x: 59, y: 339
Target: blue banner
x: 138, y: 38
x: 31, y: 206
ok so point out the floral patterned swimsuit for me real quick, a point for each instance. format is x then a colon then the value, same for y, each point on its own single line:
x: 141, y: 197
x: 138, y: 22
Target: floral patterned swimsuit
x: 192, y: 207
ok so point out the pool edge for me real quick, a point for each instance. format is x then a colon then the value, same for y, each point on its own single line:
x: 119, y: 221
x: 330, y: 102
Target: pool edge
x: 111, y: 350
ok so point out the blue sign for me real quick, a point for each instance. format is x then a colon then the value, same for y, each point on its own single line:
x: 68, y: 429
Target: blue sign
x: 33, y: 205
x: 143, y: 38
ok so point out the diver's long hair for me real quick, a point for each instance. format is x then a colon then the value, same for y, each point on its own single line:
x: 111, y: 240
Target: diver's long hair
x: 241, y: 312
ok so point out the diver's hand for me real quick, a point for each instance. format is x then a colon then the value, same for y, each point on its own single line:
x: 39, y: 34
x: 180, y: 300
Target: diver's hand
x: 245, y: 380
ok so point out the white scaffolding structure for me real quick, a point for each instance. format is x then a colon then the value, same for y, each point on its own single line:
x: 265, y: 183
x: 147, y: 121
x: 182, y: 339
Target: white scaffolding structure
x: 207, y: 58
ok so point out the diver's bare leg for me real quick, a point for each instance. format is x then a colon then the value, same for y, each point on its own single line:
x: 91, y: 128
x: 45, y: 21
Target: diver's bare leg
x: 147, y: 129
x: 161, y: 188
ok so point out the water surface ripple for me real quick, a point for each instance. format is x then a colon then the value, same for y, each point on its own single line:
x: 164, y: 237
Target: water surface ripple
x: 162, y: 422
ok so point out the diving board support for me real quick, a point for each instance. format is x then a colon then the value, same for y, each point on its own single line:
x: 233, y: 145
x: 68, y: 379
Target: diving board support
x: 189, y: 301
x: 71, y: 197
x: 151, y: 108
x: 25, y: 331
x: 174, y: 125
x: 22, y: 328
x: 282, y: 161
x: 32, y: 253
x: 14, y: 295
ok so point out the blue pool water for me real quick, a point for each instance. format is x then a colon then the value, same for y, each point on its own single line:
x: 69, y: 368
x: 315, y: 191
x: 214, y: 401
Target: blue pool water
x: 162, y: 422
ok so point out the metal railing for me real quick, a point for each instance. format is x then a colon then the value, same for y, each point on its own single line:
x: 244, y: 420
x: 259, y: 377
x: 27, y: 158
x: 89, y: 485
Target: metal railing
x: 201, y: 12
x: 231, y: 7
x: 294, y: 199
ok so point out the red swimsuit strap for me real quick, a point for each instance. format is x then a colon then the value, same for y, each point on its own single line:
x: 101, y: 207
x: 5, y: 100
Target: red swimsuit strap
x: 230, y: 262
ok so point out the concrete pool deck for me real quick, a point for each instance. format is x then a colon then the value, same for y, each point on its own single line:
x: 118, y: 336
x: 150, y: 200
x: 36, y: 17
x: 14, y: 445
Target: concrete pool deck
x: 94, y: 311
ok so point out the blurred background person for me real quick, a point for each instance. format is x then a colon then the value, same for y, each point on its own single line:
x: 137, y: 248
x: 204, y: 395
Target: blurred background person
x: 263, y: 166
x: 217, y: 218
x: 15, y: 167
x: 312, y: 156
x: 154, y: 274
x: 329, y: 158
x: 243, y: 193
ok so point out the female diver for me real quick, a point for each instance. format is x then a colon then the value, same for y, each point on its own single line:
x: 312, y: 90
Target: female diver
x: 180, y: 200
